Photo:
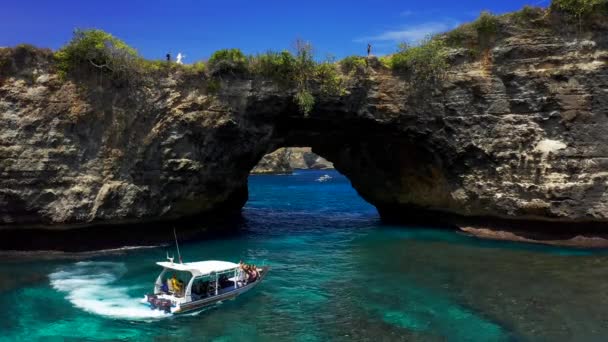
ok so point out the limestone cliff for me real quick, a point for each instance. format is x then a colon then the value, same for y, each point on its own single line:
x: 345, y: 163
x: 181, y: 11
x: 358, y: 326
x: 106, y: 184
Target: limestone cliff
x: 519, y: 135
x: 287, y: 159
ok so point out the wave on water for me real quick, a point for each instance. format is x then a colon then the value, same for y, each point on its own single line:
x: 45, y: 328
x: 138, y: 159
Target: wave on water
x: 90, y: 286
x: 15, y: 255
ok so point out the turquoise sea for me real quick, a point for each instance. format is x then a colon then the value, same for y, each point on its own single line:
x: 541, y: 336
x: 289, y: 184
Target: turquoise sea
x: 338, y: 274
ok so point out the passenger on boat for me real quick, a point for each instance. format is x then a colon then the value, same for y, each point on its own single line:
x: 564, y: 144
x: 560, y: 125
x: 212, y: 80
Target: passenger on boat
x: 176, y: 284
x: 241, y: 276
x: 224, y: 282
x: 164, y: 287
x: 200, y: 289
x: 196, y: 288
x: 252, y: 273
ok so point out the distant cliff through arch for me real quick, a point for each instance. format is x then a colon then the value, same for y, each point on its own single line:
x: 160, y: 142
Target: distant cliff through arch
x: 287, y: 159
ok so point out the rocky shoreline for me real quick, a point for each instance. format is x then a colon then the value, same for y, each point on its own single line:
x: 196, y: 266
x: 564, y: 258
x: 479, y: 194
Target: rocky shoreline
x: 596, y: 240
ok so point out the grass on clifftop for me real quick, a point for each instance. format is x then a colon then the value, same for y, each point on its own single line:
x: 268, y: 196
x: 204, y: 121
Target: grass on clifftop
x: 99, y: 52
x: 298, y: 72
x: 580, y: 8
x: 480, y: 32
x: 424, y: 63
x: 96, y: 51
x: 278, y: 66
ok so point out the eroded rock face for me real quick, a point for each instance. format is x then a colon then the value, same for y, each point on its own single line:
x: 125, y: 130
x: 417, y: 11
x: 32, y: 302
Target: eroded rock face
x: 522, y: 135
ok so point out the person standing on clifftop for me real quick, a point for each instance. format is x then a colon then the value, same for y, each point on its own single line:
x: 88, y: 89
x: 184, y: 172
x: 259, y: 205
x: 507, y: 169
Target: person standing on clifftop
x: 168, y: 57
x: 369, y: 49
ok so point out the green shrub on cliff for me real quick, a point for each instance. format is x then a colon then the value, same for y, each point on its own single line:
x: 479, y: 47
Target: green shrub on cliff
x: 487, y: 28
x: 298, y: 72
x: 329, y: 78
x: 97, y: 50
x: 304, y: 70
x: 196, y: 68
x: 304, y: 100
x: 424, y: 63
x: 462, y: 36
x: 228, y: 61
x: 305, y: 64
x: 354, y: 65
x: 386, y: 61
x: 476, y: 36
x: 487, y: 23
x: 279, y: 66
x: 580, y: 9
x: 527, y: 15
x: 153, y: 65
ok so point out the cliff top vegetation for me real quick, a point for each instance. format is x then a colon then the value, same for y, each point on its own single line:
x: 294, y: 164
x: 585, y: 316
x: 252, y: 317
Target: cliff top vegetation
x: 298, y: 71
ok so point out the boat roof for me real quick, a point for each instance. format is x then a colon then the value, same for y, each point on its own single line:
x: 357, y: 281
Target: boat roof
x: 200, y: 267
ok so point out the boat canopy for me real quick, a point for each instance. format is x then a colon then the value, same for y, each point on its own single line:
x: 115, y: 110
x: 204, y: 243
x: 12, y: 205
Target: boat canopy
x: 201, y: 267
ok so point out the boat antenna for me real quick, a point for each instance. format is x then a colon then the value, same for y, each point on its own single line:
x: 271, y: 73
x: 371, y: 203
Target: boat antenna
x: 177, y: 245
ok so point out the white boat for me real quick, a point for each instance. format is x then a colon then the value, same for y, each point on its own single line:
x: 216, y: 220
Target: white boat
x: 203, y: 283
x: 324, y: 178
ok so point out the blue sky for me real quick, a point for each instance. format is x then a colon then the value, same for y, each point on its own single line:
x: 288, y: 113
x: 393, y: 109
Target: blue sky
x: 197, y: 28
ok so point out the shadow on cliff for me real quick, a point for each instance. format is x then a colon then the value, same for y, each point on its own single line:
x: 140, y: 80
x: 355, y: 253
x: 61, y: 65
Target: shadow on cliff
x: 564, y: 234
x: 107, y: 237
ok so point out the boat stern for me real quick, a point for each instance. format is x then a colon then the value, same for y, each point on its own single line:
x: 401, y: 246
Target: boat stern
x: 157, y: 303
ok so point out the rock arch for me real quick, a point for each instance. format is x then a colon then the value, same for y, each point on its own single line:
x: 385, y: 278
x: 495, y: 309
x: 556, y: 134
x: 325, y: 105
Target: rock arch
x: 470, y: 148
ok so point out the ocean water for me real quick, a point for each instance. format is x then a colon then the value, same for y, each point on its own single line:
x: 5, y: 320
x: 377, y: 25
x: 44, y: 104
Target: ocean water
x: 337, y: 274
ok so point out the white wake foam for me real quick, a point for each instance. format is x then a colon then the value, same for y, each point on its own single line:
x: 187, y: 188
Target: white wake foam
x: 90, y: 286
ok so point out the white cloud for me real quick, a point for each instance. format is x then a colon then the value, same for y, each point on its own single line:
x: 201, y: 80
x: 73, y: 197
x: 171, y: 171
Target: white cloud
x: 410, y: 34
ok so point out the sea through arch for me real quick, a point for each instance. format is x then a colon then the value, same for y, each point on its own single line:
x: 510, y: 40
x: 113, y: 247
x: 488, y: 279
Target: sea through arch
x: 298, y: 193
